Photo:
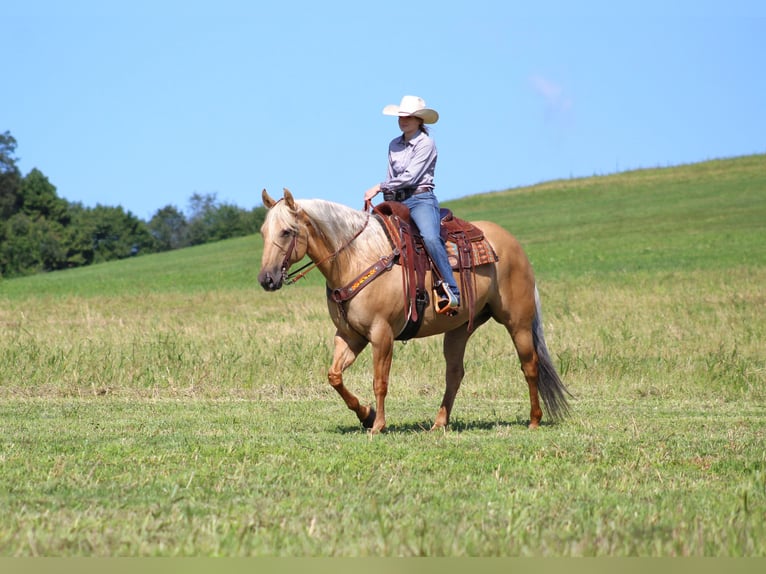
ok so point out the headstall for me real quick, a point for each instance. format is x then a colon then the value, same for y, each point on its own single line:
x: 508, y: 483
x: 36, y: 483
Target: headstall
x: 300, y: 273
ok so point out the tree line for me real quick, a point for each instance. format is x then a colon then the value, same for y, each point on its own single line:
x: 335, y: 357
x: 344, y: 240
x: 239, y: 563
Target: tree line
x: 40, y: 231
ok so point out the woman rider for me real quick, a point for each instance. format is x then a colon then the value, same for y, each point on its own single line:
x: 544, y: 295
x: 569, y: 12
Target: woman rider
x: 410, y: 179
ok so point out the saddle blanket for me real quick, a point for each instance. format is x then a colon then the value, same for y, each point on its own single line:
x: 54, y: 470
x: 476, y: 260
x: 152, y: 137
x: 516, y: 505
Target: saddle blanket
x: 481, y: 253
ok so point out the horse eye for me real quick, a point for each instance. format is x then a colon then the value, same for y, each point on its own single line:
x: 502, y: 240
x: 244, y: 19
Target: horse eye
x: 286, y: 233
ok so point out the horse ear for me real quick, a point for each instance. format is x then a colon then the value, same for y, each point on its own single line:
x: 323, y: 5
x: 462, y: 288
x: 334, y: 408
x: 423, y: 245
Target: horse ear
x: 289, y: 199
x: 268, y: 202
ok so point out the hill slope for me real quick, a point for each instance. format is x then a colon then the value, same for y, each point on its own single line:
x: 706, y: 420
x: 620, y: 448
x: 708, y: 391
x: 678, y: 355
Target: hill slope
x: 698, y: 216
x: 705, y: 215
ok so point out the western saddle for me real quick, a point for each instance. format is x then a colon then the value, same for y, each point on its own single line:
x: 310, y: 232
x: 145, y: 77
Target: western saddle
x: 466, y: 249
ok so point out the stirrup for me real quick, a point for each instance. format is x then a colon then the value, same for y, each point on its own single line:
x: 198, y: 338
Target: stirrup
x: 445, y: 301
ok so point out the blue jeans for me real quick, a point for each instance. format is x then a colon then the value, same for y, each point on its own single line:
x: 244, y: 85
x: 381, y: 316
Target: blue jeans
x: 424, y: 211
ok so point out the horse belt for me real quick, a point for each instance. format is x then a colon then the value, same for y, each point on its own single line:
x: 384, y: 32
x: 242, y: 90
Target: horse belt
x: 466, y: 249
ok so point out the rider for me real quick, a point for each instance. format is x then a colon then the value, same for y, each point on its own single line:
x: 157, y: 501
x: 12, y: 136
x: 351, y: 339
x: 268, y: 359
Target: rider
x: 411, y: 165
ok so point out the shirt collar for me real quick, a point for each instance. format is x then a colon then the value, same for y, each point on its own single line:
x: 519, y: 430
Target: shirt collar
x: 418, y: 135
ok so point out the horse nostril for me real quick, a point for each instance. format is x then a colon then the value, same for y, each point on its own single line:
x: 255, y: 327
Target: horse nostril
x: 265, y: 280
x: 268, y: 283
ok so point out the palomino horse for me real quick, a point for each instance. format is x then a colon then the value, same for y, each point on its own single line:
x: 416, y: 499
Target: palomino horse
x: 343, y: 242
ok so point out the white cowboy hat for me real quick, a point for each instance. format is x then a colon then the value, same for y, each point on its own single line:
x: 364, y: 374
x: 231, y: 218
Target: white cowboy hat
x: 412, y: 106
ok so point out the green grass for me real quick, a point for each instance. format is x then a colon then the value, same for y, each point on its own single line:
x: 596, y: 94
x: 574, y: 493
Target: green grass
x: 699, y: 216
x: 165, y: 405
x: 224, y: 265
x: 232, y: 478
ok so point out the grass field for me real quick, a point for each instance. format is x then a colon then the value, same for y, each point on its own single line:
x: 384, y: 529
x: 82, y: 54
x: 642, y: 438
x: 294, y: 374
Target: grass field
x: 166, y: 406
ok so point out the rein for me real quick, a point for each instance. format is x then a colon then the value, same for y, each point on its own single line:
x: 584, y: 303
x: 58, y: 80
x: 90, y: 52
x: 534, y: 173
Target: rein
x: 301, y: 272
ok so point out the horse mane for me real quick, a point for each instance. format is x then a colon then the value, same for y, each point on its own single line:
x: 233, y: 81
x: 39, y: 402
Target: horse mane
x: 338, y: 223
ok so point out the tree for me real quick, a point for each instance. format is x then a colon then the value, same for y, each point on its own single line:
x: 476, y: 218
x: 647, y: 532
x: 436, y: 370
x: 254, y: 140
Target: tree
x: 18, y: 247
x: 40, y: 231
x: 201, y: 209
x: 32, y: 244
x: 168, y: 226
x: 10, y: 178
x: 256, y: 218
x: 227, y: 221
x: 213, y: 221
x: 7, y: 151
x: 38, y: 198
x: 32, y: 229
x: 104, y: 233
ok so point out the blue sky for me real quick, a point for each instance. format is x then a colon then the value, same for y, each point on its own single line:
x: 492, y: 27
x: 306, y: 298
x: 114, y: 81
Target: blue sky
x: 143, y: 103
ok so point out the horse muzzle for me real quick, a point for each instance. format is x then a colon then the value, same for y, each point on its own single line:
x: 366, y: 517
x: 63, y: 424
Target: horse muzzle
x: 270, y: 281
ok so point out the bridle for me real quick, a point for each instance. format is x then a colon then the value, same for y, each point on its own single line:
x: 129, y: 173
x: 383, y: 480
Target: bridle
x: 301, y: 272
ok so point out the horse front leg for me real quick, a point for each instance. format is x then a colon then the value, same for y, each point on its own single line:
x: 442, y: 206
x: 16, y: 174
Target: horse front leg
x: 454, y: 353
x: 344, y: 355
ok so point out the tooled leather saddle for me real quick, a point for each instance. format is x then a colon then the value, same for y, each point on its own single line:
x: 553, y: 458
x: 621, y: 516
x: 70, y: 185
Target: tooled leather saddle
x: 466, y: 249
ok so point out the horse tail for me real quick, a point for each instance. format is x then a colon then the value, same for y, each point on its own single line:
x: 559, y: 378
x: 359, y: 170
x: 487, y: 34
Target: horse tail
x: 549, y: 385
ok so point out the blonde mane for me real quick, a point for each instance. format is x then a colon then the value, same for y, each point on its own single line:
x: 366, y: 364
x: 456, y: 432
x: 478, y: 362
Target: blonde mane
x: 337, y: 223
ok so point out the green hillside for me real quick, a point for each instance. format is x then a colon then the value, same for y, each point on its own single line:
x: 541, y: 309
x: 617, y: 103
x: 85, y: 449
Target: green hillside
x: 166, y: 405
x: 705, y: 215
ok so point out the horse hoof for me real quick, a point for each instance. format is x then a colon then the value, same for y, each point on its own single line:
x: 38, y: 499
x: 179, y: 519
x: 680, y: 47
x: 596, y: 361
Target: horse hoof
x: 370, y: 420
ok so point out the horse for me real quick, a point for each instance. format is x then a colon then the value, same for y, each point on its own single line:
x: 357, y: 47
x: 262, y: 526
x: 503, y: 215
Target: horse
x: 343, y: 242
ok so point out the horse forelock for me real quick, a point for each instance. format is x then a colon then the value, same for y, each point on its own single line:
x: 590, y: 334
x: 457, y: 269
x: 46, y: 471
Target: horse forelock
x: 278, y: 218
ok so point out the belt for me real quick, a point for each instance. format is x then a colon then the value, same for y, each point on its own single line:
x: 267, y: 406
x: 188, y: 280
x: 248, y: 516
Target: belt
x: 404, y: 193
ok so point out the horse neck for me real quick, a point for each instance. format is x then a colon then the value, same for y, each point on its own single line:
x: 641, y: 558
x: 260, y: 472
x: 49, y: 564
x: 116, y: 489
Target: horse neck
x: 333, y: 254
x: 320, y: 251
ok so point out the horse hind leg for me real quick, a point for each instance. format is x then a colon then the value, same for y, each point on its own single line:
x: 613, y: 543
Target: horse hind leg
x: 518, y: 321
x: 537, y: 366
x: 525, y: 348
